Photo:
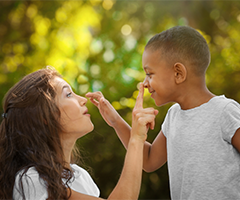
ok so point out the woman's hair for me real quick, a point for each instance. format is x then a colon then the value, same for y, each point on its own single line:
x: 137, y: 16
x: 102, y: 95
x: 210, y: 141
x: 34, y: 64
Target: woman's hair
x: 182, y: 44
x: 29, y: 136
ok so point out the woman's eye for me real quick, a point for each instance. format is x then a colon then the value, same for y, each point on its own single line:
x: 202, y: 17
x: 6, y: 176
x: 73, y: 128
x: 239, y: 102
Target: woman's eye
x: 69, y: 94
x: 148, y: 74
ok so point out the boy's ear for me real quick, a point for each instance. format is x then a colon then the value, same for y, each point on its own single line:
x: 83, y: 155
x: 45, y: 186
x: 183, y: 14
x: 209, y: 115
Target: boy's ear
x: 180, y: 73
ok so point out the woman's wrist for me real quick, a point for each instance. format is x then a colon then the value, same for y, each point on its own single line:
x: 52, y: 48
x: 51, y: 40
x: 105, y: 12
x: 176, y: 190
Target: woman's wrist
x: 136, y: 139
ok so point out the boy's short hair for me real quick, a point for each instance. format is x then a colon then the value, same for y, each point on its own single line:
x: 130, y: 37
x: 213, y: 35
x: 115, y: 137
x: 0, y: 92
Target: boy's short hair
x: 182, y: 44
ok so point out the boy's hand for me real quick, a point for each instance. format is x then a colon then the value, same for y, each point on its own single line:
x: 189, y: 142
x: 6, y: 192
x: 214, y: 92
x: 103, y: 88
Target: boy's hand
x: 109, y: 114
x: 142, y: 119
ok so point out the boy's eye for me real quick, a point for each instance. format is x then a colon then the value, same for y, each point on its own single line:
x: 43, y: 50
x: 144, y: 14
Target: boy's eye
x: 69, y: 94
x: 148, y: 74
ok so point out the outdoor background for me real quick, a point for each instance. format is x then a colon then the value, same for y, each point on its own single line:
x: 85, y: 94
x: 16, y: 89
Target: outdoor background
x: 97, y: 45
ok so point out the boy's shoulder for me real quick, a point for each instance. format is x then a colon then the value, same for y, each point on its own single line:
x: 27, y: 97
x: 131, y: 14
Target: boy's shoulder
x: 222, y: 102
x: 174, y: 107
x: 217, y: 102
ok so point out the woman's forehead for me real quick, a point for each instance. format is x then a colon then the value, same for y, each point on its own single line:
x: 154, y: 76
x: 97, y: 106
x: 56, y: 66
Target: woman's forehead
x: 58, y: 82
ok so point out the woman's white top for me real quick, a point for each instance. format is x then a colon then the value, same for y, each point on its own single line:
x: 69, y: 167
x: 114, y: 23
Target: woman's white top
x: 35, y: 188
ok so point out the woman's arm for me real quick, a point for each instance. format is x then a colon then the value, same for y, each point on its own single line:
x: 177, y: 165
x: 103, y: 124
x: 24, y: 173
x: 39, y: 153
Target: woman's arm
x: 129, y: 183
x: 155, y: 154
x: 128, y: 186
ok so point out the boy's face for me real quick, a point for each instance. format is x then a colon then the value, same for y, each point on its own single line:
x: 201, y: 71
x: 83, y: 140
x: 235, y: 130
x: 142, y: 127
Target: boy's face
x: 159, y: 77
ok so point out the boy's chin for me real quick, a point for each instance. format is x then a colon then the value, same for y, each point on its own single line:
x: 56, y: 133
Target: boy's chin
x: 160, y: 103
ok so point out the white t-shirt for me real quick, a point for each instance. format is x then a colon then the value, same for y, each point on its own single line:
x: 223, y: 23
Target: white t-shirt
x: 35, y: 189
x: 202, y: 163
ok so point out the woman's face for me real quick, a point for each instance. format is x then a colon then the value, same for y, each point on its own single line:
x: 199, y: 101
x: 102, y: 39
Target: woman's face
x: 74, y: 117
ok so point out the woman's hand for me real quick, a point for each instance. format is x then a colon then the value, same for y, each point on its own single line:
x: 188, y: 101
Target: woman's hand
x: 109, y: 114
x: 142, y: 119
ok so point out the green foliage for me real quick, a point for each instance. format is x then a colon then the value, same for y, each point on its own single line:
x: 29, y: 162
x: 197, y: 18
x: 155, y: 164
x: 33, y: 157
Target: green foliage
x: 97, y: 45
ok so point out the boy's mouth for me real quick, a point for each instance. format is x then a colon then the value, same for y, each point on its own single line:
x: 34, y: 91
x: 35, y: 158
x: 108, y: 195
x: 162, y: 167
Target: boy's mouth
x: 152, y: 92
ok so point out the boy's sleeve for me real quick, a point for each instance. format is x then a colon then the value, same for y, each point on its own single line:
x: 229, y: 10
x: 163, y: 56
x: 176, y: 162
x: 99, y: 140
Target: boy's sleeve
x: 166, y: 122
x: 165, y: 125
x: 230, y: 120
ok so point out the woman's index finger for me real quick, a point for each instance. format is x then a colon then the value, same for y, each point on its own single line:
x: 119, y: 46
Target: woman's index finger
x: 139, y: 100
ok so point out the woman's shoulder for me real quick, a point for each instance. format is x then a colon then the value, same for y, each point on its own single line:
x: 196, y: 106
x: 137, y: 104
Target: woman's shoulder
x: 76, y: 167
x: 83, y: 182
x: 80, y: 172
x: 25, y: 174
x: 33, y: 186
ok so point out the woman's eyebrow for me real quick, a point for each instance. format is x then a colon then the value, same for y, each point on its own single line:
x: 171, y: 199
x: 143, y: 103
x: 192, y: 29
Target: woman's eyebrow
x: 66, y: 86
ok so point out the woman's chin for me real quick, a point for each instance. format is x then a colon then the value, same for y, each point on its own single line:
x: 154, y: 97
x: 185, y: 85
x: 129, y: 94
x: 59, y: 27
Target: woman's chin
x: 91, y: 128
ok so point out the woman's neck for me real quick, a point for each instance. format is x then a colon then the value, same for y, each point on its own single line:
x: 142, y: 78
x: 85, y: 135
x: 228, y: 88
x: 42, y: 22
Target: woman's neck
x: 67, y: 147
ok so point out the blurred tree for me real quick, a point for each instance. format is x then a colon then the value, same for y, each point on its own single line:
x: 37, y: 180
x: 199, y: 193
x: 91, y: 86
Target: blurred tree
x: 97, y: 45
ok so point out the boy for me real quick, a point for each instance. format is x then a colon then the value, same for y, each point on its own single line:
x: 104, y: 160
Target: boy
x: 200, y: 136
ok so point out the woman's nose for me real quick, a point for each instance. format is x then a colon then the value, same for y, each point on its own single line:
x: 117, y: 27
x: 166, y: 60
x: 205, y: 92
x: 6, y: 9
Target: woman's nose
x: 82, y: 100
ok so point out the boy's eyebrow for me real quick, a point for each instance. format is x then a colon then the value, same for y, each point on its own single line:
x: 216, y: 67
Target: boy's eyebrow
x: 146, y: 67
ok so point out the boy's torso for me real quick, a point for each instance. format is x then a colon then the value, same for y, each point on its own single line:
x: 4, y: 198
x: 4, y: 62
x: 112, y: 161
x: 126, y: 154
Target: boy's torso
x: 201, y: 160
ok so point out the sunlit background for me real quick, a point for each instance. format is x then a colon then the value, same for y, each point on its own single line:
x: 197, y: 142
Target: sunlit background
x: 97, y: 45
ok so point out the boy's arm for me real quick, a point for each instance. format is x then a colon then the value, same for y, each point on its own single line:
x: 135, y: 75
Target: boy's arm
x: 155, y: 154
x: 236, y: 140
x: 111, y: 116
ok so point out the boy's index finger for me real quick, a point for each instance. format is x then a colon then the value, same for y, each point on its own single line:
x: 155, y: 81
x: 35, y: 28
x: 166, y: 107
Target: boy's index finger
x: 139, y: 100
x: 94, y: 95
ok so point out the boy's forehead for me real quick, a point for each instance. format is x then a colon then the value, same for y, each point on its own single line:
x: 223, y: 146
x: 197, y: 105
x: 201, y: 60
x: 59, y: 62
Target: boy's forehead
x: 150, y: 56
x: 149, y: 52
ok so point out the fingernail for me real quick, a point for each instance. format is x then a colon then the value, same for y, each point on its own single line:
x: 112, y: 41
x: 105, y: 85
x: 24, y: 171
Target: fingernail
x: 139, y: 85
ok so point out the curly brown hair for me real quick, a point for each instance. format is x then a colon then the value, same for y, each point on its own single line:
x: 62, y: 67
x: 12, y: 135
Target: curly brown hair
x: 29, y: 136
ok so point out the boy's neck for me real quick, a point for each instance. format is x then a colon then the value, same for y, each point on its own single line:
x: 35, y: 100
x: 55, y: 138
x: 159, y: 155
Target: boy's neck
x: 189, y: 102
x: 194, y: 95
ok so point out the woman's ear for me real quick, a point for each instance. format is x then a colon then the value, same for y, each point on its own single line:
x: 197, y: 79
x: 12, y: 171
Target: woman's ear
x: 180, y: 73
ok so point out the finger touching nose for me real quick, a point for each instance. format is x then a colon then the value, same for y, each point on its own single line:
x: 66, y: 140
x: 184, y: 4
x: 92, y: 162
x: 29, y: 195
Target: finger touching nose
x: 145, y: 82
x: 139, y: 100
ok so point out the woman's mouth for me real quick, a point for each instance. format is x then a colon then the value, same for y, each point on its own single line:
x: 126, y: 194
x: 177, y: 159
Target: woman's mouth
x: 86, y: 112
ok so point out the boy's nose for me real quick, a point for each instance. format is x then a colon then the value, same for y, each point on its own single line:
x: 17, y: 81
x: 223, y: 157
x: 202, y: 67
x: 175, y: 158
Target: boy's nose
x: 145, y: 83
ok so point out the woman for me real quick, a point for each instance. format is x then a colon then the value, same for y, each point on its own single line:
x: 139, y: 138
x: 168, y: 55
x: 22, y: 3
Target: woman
x: 42, y: 120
